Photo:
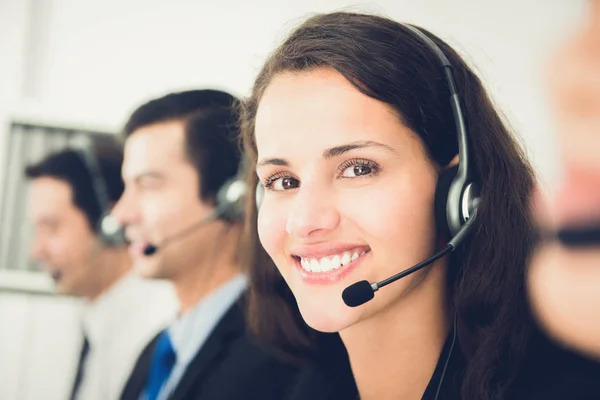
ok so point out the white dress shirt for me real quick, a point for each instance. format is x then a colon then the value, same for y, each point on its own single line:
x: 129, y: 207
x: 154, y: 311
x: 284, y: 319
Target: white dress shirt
x: 118, y: 325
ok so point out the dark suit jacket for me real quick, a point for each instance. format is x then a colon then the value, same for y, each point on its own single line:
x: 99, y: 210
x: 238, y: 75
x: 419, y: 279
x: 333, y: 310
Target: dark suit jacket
x: 229, y: 366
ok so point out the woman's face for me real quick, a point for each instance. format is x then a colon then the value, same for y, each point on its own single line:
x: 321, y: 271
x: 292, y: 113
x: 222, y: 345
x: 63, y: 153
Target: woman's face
x: 349, y: 195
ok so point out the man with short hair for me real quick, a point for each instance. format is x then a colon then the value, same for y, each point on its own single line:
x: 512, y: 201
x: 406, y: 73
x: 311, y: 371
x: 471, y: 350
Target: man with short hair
x: 180, y: 152
x: 121, y: 311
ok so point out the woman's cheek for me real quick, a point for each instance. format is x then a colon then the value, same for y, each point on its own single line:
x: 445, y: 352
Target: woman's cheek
x: 271, y: 230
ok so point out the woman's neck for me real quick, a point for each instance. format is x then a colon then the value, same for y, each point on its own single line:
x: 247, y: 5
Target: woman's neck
x: 394, y: 353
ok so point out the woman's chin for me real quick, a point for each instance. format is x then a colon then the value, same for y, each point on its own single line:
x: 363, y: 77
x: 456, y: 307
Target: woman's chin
x: 322, y: 306
x: 323, y: 323
x: 329, y: 318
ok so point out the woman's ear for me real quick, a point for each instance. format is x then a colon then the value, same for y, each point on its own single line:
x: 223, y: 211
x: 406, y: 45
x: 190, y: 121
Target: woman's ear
x: 453, y: 163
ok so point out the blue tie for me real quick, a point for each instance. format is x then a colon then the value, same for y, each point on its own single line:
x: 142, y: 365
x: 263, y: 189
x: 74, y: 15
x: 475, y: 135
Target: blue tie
x: 162, y: 364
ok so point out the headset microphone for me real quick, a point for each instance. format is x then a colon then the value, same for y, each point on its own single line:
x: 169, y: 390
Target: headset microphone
x: 151, y: 249
x: 229, y: 208
x: 360, y: 292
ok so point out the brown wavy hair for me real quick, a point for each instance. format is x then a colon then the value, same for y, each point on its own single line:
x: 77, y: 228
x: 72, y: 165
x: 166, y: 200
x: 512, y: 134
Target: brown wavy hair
x: 385, y: 61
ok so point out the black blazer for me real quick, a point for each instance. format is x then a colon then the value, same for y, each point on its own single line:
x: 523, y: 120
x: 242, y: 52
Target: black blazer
x: 229, y: 366
x: 552, y: 373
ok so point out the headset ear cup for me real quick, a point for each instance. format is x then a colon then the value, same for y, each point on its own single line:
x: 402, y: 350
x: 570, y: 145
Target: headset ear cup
x: 259, y: 194
x: 441, y: 199
x: 230, y: 199
x: 117, y: 239
x: 110, y: 232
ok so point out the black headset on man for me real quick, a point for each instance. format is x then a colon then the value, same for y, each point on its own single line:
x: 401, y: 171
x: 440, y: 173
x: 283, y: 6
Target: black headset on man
x: 108, y: 230
x: 229, y: 207
x: 229, y: 204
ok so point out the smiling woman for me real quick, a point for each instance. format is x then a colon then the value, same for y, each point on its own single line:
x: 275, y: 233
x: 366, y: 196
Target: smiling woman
x: 353, y: 133
x: 332, y: 177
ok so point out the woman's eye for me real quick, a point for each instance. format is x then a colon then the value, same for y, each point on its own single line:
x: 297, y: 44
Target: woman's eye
x: 358, y: 167
x: 282, y: 183
x: 357, y: 170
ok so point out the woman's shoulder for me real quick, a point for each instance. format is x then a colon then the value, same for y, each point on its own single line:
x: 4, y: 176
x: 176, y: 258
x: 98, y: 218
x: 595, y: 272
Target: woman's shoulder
x: 559, y: 374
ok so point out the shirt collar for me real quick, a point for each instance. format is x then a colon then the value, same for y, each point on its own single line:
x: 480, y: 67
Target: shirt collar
x: 190, y: 331
x: 99, y: 315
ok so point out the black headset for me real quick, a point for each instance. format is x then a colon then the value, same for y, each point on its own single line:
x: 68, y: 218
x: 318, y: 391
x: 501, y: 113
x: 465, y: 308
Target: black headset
x: 457, y: 194
x: 108, y: 229
x: 229, y: 200
x: 229, y: 208
x: 230, y: 197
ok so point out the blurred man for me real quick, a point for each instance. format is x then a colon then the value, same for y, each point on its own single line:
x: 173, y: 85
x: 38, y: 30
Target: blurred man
x: 122, y: 312
x: 180, y: 151
x: 565, y: 280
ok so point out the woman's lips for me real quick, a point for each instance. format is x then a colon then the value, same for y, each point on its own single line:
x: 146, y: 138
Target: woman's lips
x: 330, y: 276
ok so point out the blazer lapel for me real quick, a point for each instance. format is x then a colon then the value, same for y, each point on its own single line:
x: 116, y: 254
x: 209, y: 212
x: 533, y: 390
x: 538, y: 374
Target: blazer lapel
x: 137, y: 380
x: 231, y: 325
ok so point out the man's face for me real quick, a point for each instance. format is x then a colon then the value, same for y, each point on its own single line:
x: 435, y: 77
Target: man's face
x: 161, y: 201
x: 64, y: 244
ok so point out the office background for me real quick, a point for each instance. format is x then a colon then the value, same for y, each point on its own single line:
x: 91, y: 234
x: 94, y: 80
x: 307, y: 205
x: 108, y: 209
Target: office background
x: 69, y: 67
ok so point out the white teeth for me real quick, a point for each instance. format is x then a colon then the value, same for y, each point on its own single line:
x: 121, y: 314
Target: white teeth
x: 315, y: 266
x: 305, y: 264
x: 346, y: 258
x: 336, y: 262
x: 325, y: 263
x: 330, y: 263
